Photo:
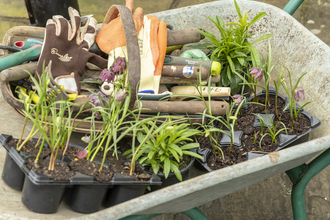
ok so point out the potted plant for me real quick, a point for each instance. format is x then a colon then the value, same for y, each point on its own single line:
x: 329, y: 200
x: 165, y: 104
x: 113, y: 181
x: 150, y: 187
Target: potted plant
x: 233, y: 50
x: 258, y: 130
x: 51, y: 165
x: 165, y: 150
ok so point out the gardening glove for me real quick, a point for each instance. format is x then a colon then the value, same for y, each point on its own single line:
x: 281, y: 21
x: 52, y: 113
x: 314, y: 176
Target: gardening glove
x: 147, y: 66
x: 67, y: 46
x: 111, y: 35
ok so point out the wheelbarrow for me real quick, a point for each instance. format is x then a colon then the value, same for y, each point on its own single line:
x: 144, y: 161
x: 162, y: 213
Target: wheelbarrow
x: 294, y: 47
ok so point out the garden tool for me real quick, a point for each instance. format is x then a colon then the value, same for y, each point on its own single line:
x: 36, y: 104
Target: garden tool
x: 214, y: 66
x: 179, y: 80
x: 111, y: 35
x: 219, y: 92
x: 194, y: 54
x: 18, y: 72
x: 184, y: 36
x: 25, y: 96
x: 190, y: 107
x: 10, y: 48
x: 56, y: 93
x: 23, y: 45
x: 185, y: 71
x: 67, y: 46
x: 20, y: 57
x: 34, y: 40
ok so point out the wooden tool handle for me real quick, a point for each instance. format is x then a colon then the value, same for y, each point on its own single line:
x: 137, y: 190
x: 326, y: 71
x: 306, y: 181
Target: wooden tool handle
x: 178, y: 80
x: 189, y: 107
x: 185, y: 72
x: 183, y: 36
x: 17, y: 72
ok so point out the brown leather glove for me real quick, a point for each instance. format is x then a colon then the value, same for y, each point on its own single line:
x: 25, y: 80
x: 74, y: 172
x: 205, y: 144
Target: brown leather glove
x: 111, y: 35
x: 67, y: 46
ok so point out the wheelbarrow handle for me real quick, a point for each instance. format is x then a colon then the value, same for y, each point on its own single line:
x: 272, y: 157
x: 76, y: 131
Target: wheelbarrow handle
x: 292, y: 6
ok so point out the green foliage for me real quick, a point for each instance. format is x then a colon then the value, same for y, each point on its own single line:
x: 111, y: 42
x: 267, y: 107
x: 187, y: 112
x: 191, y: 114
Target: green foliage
x: 163, y: 147
x: 272, y: 129
x: 233, y: 50
x: 290, y: 92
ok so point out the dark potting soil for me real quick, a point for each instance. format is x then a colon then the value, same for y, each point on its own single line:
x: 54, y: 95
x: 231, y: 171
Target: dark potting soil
x: 30, y: 148
x: 63, y: 172
x: 251, y: 136
x: 91, y: 169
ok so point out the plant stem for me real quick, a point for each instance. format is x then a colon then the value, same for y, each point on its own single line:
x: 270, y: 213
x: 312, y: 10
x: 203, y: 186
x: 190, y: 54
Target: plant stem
x: 51, y: 159
x: 40, y: 150
x: 28, y: 138
x: 231, y: 144
x: 276, y: 111
x: 20, y: 139
x: 38, y: 141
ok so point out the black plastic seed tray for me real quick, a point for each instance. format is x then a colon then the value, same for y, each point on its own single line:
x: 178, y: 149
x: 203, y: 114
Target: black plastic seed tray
x: 83, y: 194
x: 285, y: 140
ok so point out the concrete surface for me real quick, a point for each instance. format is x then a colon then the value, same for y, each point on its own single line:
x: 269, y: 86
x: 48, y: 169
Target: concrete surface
x: 269, y: 199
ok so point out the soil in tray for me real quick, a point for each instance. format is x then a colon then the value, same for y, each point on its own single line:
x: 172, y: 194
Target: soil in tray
x: 251, y: 136
x: 63, y: 171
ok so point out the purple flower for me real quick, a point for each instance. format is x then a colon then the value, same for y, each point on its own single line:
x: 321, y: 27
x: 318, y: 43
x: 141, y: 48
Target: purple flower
x: 107, y: 75
x: 86, y: 139
x: 238, y: 99
x: 82, y: 154
x: 299, y: 94
x: 257, y: 72
x: 119, y: 65
x: 97, y: 100
x: 120, y: 96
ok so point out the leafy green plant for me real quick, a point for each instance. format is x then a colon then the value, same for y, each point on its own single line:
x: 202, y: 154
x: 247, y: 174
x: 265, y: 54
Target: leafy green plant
x: 162, y: 147
x: 233, y: 50
x: 273, y: 132
x: 294, y: 95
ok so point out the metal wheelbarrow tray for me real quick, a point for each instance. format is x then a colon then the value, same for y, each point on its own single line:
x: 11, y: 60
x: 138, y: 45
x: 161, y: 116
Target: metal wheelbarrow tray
x: 294, y: 47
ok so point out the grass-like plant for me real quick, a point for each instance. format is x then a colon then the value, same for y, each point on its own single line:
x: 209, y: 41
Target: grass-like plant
x: 294, y: 95
x: 273, y: 132
x: 277, y: 87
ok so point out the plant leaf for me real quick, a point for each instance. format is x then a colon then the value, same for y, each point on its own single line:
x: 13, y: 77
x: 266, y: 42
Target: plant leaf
x: 167, y: 167
x: 256, y: 18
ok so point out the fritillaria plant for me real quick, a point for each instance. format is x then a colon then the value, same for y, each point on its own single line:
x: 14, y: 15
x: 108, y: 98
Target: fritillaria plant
x: 295, y: 94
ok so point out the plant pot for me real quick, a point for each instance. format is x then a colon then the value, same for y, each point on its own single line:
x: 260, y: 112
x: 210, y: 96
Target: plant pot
x: 86, y: 199
x: 284, y: 139
x: 44, y: 199
x: 122, y: 193
x: 12, y: 174
x: 172, y: 179
x: 83, y: 194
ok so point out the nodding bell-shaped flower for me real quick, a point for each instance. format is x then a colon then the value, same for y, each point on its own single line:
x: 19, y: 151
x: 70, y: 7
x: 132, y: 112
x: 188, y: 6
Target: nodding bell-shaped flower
x: 120, y: 65
x: 257, y: 72
x: 238, y: 99
x: 96, y: 100
x: 86, y: 139
x: 120, y: 96
x: 299, y: 94
x: 107, y: 75
x: 82, y: 154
